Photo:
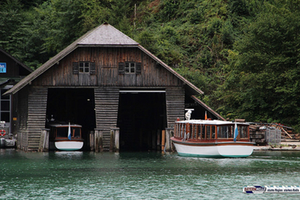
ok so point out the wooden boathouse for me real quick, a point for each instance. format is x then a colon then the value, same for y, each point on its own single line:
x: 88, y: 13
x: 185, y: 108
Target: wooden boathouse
x: 104, y: 81
x: 11, y: 72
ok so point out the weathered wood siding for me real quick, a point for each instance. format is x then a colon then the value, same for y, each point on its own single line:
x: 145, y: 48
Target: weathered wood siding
x: 106, y: 106
x: 21, y: 114
x: 106, y: 69
x: 175, y: 98
x: 37, y: 104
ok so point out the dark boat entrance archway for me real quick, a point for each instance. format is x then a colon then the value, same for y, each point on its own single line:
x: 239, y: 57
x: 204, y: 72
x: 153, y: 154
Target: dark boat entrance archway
x: 141, y: 119
x: 76, y: 106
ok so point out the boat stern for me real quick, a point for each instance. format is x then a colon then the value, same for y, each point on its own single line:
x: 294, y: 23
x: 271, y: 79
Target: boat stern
x: 69, y: 145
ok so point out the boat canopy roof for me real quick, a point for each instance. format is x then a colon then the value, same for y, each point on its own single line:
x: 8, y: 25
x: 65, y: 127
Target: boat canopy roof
x: 65, y: 125
x: 211, y: 122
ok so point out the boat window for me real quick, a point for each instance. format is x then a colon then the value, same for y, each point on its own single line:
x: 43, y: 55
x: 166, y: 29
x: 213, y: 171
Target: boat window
x: 198, y: 131
x: 76, y: 132
x: 177, y: 132
x: 230, y: 131
x: 62, y: 132
x: 193, y: 131
x: 222, y: 131
x: 203, y: 132
x: 225, y: 132
x: 182, y: 130
x: 190, y: 131
x: 243, y: 132
x: 208, y: 132
x: 213, y: 132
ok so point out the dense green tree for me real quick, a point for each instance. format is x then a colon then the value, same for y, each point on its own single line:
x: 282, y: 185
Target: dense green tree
x: 10, y: 20
x: 263, y: 79
x: 62, y: 19
x: 94, y: 12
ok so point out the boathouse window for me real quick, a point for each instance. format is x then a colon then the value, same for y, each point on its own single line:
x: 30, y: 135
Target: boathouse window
x: 130, y: 68
x: 84, y: 67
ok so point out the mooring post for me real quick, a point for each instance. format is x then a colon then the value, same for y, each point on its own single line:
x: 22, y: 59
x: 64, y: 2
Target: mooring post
x: 96, y: 141
x: 158, y: 140
x: 101, y: 140
x: 163, y: 139
x: 117, y: 139
x: 168, y: 140
x: 44, y: 140
x: 112, y: 140
x: 98, y: 138
x: 92, y: 141
x: 41, y: 141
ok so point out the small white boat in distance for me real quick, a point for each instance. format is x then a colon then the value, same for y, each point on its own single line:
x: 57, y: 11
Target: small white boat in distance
x: 67, y: 137
x: 212, y: 138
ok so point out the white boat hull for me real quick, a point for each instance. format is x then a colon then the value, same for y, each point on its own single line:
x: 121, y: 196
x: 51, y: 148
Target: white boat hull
x: 214, y: 150
x: 68, y: 145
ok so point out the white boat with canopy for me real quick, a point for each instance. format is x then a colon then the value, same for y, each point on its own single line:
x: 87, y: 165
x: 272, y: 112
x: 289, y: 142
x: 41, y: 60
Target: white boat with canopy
x: 67, y: 137
x: 212, y: 138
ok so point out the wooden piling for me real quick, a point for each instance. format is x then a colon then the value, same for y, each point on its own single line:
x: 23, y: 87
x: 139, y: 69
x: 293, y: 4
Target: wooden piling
x: 98, y: 140
x: 116, y: 139
x: 163, y: 139
x: 92, y: 141
x: 112, y: 141
x: 44, y: 140
x: 169, y: 134
x: 101, y: 141
x: 41, y: 141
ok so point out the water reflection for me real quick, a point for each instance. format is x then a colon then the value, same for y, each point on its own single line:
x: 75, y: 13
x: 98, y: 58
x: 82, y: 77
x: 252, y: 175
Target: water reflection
x: 69, y: 154
x: 145, y: 175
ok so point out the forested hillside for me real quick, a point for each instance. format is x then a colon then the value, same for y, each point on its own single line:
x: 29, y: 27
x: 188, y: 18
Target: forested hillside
x: 244, y: 54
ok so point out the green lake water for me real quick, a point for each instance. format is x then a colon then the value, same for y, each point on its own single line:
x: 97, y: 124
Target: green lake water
x: 145, y: 175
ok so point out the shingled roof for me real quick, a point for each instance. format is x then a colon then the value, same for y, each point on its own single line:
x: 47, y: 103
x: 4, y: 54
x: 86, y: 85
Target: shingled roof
x: 104, y: 35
